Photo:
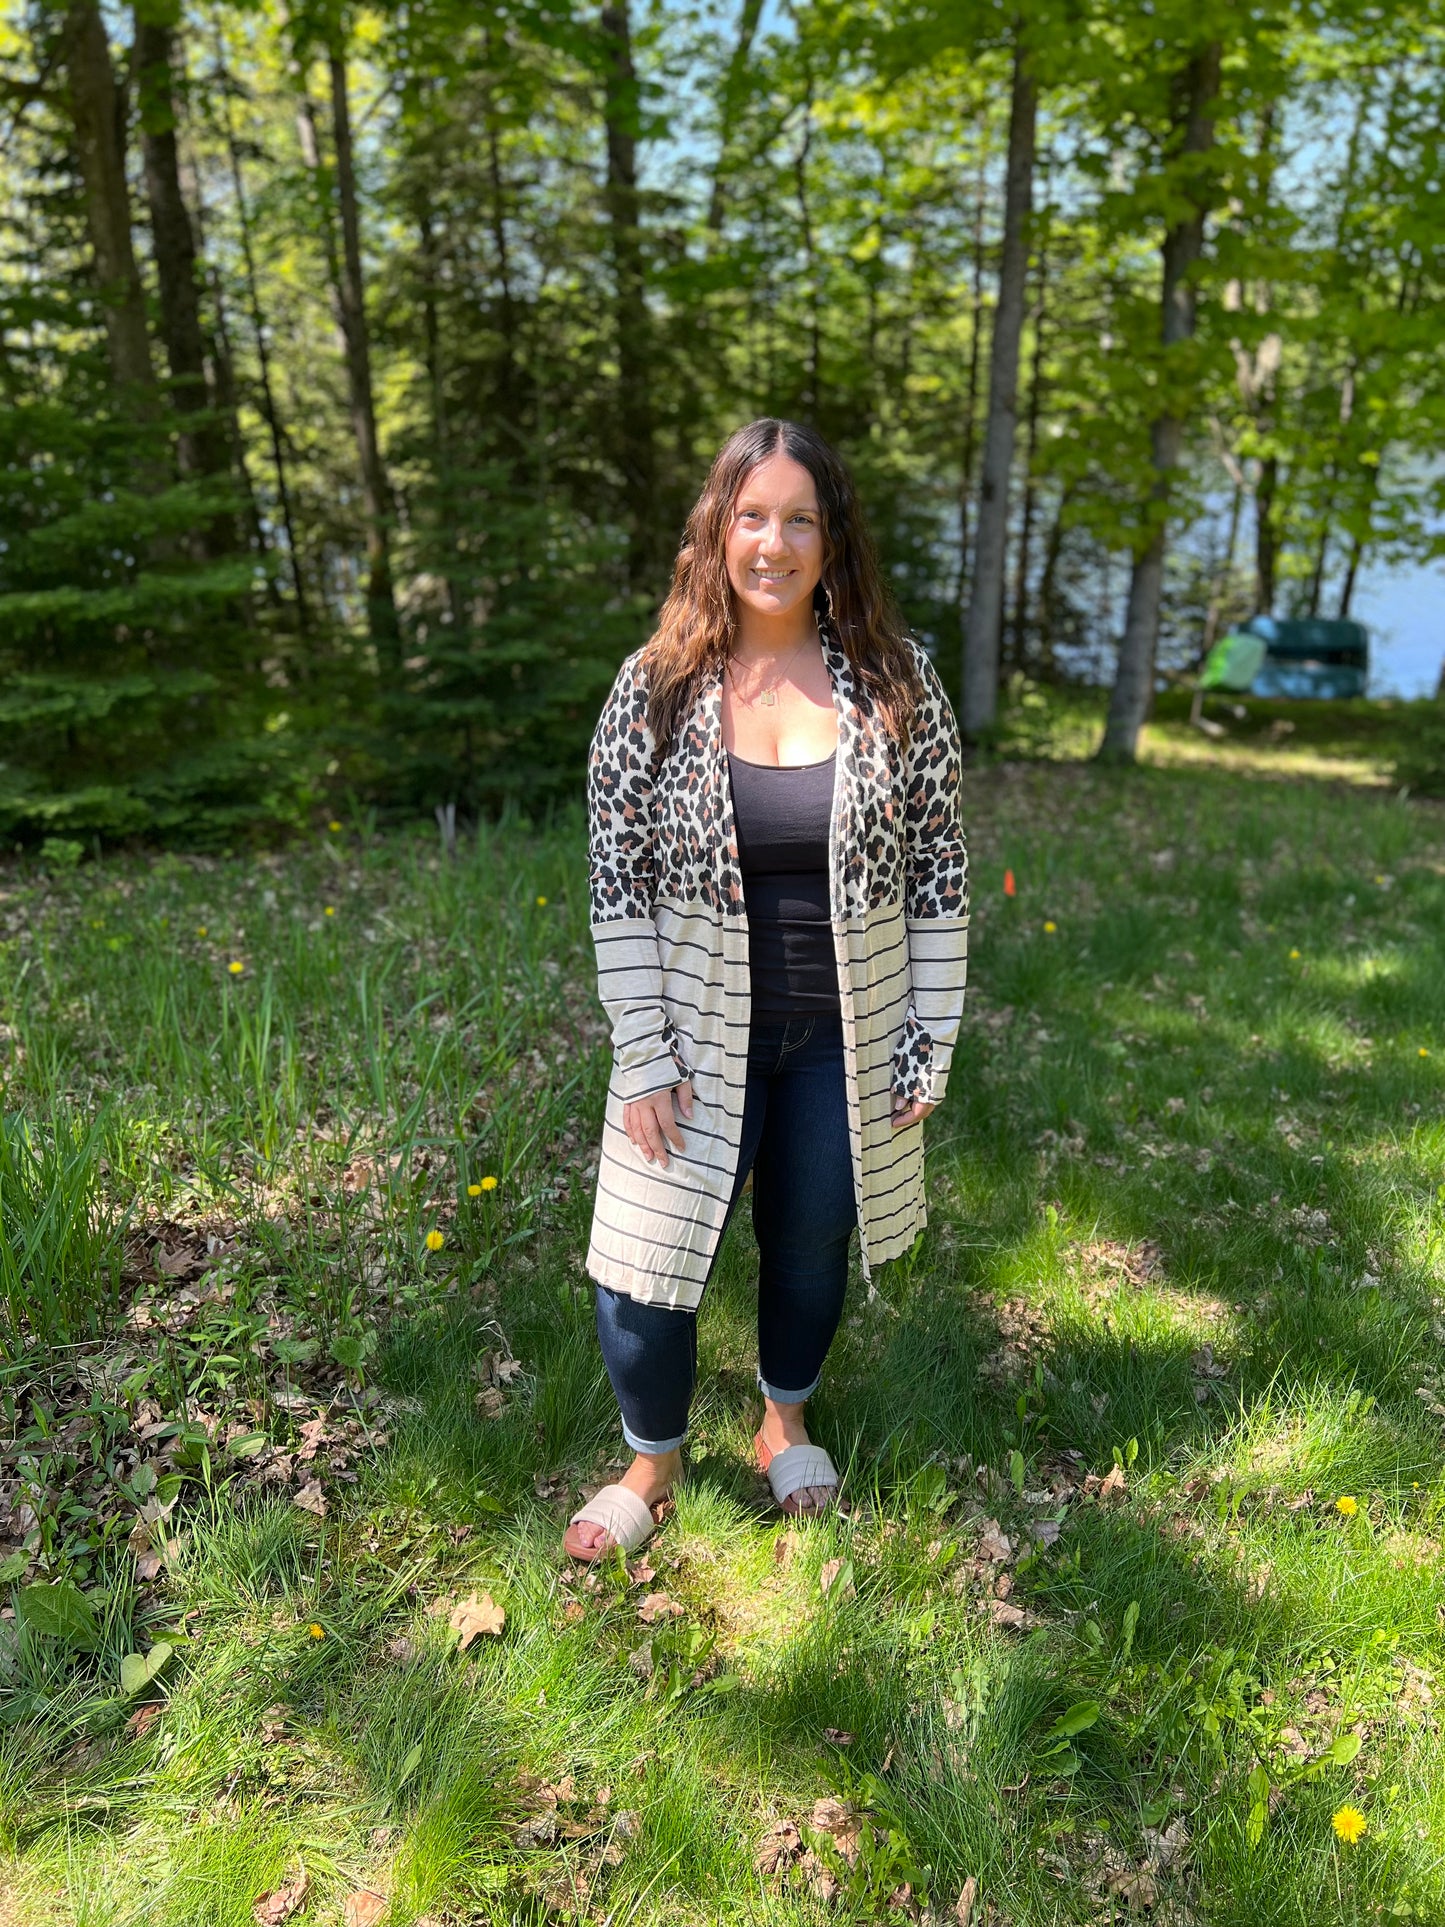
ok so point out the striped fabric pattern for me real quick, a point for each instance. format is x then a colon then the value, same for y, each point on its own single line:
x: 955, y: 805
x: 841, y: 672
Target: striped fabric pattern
x: 670, y: 926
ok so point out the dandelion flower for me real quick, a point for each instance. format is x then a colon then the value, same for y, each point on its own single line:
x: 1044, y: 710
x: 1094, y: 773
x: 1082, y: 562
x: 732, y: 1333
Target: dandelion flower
x: 541, y: 903
x: 333, y: 826
x: 1050, y: 928
x: 316, y: 1632
x: 200, y: 930
x: 1423, y: 1051
x: 1294, y: 956
x: 1350, y: 1825
x: 1347, y: 1506
x: 489, y: 1184
x: 235, y: 966
x: 330, y: 910
x: 434, y: 1241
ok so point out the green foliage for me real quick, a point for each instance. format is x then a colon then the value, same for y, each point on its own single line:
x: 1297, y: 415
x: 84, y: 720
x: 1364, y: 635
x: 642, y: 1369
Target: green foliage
x: 1184, y: 1246
x: 199, y: 657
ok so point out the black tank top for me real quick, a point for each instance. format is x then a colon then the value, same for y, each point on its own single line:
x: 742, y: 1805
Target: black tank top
x: 783, y: 818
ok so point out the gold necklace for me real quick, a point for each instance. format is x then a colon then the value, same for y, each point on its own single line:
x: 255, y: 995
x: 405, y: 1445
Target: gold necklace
x: 768, y: 697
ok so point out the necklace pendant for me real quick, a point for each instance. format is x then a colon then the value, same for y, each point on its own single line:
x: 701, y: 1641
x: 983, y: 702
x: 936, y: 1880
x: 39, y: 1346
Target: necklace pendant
x: 769, y: 698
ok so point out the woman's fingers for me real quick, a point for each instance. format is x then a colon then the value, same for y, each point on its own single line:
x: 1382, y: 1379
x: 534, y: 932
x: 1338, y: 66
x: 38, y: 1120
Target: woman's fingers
x: 913, y: 1113
x: 651, y: 1126
x: 684, y: 1097
x: 670, y: 1127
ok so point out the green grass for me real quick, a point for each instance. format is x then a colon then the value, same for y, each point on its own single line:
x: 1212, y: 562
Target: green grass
x: 1180, y: 1295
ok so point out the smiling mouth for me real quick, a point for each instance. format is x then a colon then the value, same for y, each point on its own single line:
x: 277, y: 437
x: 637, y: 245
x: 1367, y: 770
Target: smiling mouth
x: 773, y: 575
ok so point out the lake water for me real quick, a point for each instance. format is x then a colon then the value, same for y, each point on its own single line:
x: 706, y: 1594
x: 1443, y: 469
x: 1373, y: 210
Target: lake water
x: 1404, y: 611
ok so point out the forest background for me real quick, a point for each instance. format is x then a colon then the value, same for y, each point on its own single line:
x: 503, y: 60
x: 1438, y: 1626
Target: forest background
x: 359, y: 365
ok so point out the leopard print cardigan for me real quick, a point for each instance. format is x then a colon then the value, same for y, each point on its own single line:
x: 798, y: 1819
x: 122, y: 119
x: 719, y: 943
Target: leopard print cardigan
x: 671, y: 932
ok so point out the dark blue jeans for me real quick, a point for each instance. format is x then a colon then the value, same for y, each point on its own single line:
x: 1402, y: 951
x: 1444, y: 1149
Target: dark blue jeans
x: 795, y: 1142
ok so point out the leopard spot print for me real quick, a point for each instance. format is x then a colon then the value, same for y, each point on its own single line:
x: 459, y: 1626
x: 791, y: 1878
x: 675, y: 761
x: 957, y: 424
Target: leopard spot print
x: 664, y: 825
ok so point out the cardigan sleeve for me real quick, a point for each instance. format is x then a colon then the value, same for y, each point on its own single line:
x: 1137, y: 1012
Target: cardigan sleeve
x: 622, y: 883
x: 935, y: 896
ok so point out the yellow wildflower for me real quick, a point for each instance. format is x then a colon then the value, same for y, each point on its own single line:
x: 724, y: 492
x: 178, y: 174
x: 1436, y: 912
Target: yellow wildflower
x: 1050, y: 928
x: 200, y: 930
x: 541, y: 903
x: 1423, y: 1051
x: 330, y: 910
x: 1350, y: 1825
x: 489, y: 1184
x: 1294, y: 956
x: 1348, y: 1506
x: 235, y: 966
x: 333, y: 826
x: 434, y: 1241
x: 315, y: 1631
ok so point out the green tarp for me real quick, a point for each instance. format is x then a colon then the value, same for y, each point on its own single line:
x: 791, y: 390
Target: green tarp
x: 1233, y: 662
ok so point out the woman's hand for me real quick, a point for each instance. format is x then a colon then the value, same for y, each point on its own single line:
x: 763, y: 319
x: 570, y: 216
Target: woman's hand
x: 906, y: 1113
x: 650, y: 1123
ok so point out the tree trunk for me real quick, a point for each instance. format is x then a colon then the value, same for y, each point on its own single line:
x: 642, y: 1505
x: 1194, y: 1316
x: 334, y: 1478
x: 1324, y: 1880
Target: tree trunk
x: 263, y: 356
x: 1031, y: 443
x: 813, y: 374
x: 634, y: 359
x: 982, y: 635
x: 1048, y: 583
x: 201, y: 446
x: 970, y: 419
x: 441, y: 432
x: 1184, y: 243
x: 733, y: 90
x: 94, y: 106
x: 1265, y: 535
x: 349, y: 290
x: 1220, y: 587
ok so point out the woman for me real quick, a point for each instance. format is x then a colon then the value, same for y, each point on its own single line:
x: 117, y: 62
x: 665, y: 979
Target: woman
x: 780, y: 909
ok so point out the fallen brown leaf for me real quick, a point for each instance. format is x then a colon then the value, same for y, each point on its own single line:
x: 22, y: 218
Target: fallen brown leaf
x: 656, y: 1606
x: 475, y: 1616
x: 311, y: 1498
x: 838, y: 1736
x: 1112, y: 1485
x: 1134, y: 1889
x: 270, y: 1909
x: 1003, y: 1612
x: 828, y: 1577
x: 779, y: 1847
x: 994, y: 1545
x: 967, y: 1900
x: 144, y: 1718
x: 363, y: 1908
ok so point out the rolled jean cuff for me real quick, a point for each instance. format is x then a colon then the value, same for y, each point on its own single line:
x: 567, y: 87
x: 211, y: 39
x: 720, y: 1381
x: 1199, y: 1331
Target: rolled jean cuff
x: 654, y: 1448
x: 780, y: 1397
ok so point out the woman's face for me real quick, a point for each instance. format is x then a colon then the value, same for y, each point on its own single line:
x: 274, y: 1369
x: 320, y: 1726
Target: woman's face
x: 775, y: 538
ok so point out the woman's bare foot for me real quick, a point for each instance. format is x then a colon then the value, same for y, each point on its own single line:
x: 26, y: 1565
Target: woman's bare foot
x: 650, y: 1478
x: 783, y: 1426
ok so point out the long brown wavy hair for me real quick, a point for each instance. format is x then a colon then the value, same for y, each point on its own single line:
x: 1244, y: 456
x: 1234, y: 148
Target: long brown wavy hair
x: 698, y: 622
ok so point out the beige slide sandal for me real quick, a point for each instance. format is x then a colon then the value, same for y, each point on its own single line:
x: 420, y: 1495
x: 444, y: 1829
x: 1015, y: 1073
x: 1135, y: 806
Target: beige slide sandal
x: 625, y: 1518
